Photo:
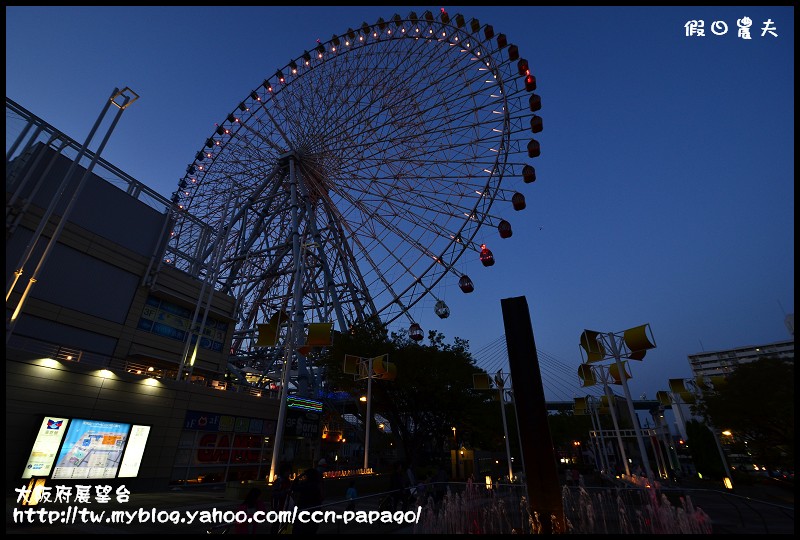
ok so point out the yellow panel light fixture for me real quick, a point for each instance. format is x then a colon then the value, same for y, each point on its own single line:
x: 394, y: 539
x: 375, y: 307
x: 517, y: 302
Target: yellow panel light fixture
x: 664, y: 398
x: 319, y: 334
x: 638, y: 341
x: 580, y: 406
x: 350, y: 366
x: 586, y: 375
x: 268, y: 332
x: 614, y: 371
x: 481, y: 381
x: 594, y: 349
x: 383, y: 369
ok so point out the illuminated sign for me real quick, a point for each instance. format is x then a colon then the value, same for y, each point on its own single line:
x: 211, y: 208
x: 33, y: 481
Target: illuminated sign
x: 91, y: 449
x: 45, y: 448
x: 294, y: 402
x: 302, y: 424
x: 133, y: 452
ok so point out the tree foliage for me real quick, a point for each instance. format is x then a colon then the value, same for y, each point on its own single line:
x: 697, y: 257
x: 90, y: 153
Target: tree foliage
x: 704, y: 450
x: 433, y: 390
x: 756, y: 403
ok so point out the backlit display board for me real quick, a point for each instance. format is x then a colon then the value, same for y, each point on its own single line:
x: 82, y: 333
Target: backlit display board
x: 45, y: 448
x: 92, y: 449
x: 134, y: 451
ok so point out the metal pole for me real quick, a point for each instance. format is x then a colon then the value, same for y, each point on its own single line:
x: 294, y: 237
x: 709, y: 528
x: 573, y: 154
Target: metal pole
x: 604, y: 452
x: 297, y: 307
x: 634, y: 418
x: 368, y: 420
x: 210, y: 276
x: 659, y: 465
x: 19, y: 140
x: 612, y: 409
x: 502, y: 392
x: 599, y: 446
x: 722, y: 455
x: 277, y: 447
x: 296, y: 328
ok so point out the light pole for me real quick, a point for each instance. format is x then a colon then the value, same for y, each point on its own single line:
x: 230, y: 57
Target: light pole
x: 617, y: 354
x: 455, y: 454
x: 687, y: 390
x: 589, y: 375
x: 481, y: 381
x: 632, y: 344
x: 378, y: 367
x: 498, y: 379
x: 369, y: 413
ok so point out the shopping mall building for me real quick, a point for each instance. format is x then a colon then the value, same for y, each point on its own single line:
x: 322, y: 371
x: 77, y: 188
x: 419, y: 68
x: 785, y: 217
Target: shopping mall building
x: 94, y: 345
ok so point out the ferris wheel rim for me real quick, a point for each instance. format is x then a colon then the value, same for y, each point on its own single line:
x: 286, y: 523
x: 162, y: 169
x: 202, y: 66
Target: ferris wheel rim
x: 258, y: 98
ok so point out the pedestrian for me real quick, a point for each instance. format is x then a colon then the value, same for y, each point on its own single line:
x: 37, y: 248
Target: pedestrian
x: 252, y: 503
x: 309, y: 493
x: 440, y: 485
x: 351, y: 496
x: 397, y: 484
x: 281, y: 490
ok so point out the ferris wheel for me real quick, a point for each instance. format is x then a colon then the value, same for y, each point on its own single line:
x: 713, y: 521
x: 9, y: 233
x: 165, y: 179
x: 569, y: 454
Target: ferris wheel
x: 351, y: 181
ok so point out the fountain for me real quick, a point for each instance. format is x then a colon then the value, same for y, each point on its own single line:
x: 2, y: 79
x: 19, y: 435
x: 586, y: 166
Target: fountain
x: 503, y: 509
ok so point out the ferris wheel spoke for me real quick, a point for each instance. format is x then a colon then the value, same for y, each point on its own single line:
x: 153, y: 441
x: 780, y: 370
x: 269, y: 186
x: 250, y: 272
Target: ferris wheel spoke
x: 344, y: 256
x: 347, y: 265
x: 389, y: 226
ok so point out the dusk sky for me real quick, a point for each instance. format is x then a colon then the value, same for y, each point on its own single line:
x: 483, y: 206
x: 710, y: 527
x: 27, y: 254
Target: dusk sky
x: 665, y: 185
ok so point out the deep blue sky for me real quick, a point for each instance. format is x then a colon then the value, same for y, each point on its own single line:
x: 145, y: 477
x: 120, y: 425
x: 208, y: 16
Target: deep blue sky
x: 664, y: 192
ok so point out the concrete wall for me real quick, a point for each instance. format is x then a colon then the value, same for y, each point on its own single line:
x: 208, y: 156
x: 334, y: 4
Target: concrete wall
x: 91, y: 291
x: 35, y: 388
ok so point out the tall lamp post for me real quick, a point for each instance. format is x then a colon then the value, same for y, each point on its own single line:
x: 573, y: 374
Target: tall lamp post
x: 481, y: 381
x: 632, y: 344
x: 589, y: 375
x: 378, y: 367
x: 687, y: 391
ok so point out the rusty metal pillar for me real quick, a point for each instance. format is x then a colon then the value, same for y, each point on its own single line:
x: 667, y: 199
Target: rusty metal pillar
x: 538, y: 455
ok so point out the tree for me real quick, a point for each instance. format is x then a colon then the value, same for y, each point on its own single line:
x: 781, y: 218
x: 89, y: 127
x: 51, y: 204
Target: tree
x: 704, y: 451
x: 432, y: 392
x: 756, y: 403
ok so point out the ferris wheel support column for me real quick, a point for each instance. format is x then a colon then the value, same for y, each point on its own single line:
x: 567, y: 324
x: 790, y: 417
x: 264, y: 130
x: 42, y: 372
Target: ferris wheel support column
x: 295, y: 330
x: 277, y: 447
x: 297, y: 300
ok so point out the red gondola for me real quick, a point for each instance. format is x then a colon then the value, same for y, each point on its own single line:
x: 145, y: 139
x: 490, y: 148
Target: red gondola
x: 486, y: 256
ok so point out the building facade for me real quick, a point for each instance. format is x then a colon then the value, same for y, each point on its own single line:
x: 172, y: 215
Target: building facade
x: 107, y: 334
x: 713, y: 363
